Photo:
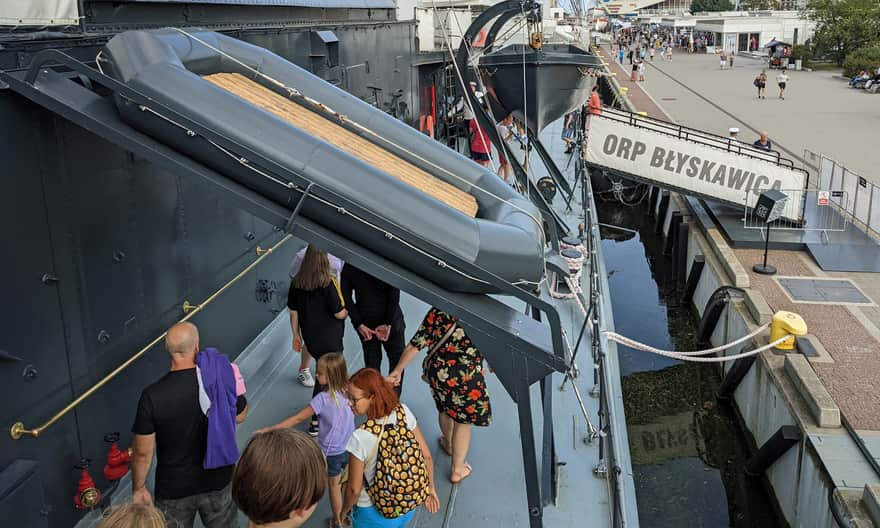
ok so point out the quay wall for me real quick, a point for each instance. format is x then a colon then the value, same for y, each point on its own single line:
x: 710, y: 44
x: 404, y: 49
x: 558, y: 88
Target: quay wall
x: 766, y: 398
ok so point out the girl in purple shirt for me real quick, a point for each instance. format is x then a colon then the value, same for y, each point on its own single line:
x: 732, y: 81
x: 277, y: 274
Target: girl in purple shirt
x: 335, y: 419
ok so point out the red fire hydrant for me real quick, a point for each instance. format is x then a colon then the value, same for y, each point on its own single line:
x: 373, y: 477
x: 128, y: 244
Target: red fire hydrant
x: 87, y: 494
x: 117, y: 459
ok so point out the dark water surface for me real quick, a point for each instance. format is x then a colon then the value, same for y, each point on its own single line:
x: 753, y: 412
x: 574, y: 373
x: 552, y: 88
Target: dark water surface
x: 687, y: 449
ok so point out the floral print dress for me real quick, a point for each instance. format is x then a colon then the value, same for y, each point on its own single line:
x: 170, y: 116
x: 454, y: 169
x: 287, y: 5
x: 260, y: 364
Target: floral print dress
x: 454, y: 371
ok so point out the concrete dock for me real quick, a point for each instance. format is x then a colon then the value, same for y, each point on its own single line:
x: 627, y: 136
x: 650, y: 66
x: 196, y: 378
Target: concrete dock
x: 835, y: 385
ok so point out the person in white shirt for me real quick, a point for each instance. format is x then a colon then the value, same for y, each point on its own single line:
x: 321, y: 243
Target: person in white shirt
x: 782, y: 80
x: 372, y: 396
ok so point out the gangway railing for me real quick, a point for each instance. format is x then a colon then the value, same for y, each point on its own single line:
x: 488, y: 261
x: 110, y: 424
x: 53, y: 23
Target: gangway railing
x: 695, y: 135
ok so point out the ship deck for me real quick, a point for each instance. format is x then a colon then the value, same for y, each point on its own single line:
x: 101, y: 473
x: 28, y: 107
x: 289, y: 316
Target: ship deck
x: 495, y: 494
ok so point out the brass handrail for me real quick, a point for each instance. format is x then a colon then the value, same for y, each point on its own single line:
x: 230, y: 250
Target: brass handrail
x: 18, y: 429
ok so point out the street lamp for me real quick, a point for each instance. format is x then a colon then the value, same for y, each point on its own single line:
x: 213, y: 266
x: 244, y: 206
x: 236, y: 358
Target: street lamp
x: 769, y: 207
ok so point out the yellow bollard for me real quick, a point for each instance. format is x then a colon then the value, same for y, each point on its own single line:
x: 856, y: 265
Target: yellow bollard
x: 643, y: 114
x: 787, y: 323
x: 624, y: 89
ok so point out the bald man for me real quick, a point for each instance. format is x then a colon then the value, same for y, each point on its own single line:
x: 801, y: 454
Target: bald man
x: 170, y: 421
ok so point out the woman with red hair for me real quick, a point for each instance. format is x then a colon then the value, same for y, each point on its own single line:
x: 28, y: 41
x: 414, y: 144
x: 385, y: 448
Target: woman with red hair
x: 388, y: 453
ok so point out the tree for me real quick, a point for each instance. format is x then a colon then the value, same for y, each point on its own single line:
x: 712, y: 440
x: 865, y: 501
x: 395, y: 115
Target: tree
x: 867, y: 58
x: 699, y: 6
x: 758, y: 5
x: 843, y: 26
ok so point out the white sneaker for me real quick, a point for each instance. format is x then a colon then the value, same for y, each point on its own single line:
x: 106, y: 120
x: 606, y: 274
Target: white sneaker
x: 305, y: 377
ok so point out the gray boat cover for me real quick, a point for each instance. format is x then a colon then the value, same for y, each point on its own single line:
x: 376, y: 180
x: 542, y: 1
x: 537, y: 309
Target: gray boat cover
x: 168, y: 66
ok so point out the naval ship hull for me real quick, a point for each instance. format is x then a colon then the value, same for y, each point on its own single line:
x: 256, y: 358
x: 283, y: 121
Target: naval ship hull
x: 104, y: 247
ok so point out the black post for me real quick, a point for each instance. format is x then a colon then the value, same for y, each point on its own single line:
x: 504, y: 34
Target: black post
x: 693, y: 278
x: 734, y: 376
x: 530, y: 464
x: 680, y: 251
x: 773, y: 448
x: 765, y: 269
x: 671, y: 235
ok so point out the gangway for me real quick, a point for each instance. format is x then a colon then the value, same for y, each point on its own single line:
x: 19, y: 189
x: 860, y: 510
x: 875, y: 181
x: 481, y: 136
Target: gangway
x: 688, y: 160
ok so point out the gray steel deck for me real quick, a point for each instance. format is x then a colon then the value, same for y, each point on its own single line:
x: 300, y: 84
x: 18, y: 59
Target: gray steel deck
x: 495, y: 494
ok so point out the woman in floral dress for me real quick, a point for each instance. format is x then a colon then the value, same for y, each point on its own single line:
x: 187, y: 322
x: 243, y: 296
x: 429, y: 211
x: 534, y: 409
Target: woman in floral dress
x: 454, y: 370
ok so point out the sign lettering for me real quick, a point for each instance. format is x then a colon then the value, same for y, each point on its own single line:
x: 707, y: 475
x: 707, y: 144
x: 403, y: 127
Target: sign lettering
x: 687, y: 165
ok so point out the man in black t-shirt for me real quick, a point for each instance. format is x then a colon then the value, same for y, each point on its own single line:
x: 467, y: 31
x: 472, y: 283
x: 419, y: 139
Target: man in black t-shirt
x: 170, y: 420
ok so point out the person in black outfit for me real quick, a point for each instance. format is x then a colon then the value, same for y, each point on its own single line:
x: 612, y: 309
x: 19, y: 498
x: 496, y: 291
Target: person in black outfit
x: 374, y: 308
x: 318, y: 310
x: 170, y: 421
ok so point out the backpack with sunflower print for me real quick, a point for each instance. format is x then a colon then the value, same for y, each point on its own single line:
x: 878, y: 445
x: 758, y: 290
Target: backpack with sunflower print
x: 401, y: 481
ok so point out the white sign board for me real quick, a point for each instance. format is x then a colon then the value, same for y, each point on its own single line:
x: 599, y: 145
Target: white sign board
x: 823, y: 197
x: 688, y: 166
x: 39, y: 13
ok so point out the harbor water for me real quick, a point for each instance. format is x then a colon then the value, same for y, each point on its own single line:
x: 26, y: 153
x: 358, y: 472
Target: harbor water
x: 687, y: 448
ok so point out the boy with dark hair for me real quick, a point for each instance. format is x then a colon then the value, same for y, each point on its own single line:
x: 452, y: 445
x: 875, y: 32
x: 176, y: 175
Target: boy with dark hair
x: 279, y: 479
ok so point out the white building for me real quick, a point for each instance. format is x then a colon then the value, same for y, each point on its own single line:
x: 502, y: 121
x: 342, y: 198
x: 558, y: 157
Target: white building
x: 738, y: 30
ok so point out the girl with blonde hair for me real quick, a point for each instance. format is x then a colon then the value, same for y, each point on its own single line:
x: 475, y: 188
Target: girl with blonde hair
x: 133, y: 516
x: 336, y: 422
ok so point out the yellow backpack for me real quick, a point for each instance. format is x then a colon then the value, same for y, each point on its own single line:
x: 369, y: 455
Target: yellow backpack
x: 401, y: 481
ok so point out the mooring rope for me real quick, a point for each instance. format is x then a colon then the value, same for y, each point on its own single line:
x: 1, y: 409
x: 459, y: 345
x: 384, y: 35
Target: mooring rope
x: 689, y: 356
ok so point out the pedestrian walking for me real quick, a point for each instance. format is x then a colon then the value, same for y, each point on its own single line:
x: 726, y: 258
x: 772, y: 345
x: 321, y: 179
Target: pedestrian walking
x: 763, y: 142
x: 620, y: 54
x: 723, y: 59
x: 317, y: 311
x: 336, y: 422
x: 481, y: 145
x: 651, y: 53
x: 195, y: 455
x: 132, y: 515
x: 641, y: 70
x: 782, y: 80
x: 304, y: 376
x: 505, y: 133
x: 761, y: 83
x: 374, y: 310
x: 595, y: 105
x: 634, y: 74
x: 453, y: 368
x: 279, y: 479
x: 391, y: 470
x: 730, y: 58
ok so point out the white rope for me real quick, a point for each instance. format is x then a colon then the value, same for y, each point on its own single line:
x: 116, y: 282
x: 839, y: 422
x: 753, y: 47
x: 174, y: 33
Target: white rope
x: 325, y: 108
x: 648, y: 348
x: 617, y: 338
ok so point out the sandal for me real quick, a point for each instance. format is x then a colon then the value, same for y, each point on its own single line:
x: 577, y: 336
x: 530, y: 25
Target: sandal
x: 469, y: 470
x: 444, y: 445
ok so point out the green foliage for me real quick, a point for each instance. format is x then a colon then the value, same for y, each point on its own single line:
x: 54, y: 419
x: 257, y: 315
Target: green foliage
x: 758, y: 5
x: 804, y: 53
x: 867, y: 58
x: 699, y: 6
x: 843, y: 26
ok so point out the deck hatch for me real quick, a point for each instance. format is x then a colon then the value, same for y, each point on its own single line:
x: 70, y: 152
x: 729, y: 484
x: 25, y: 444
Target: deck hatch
x: 824, y: 291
